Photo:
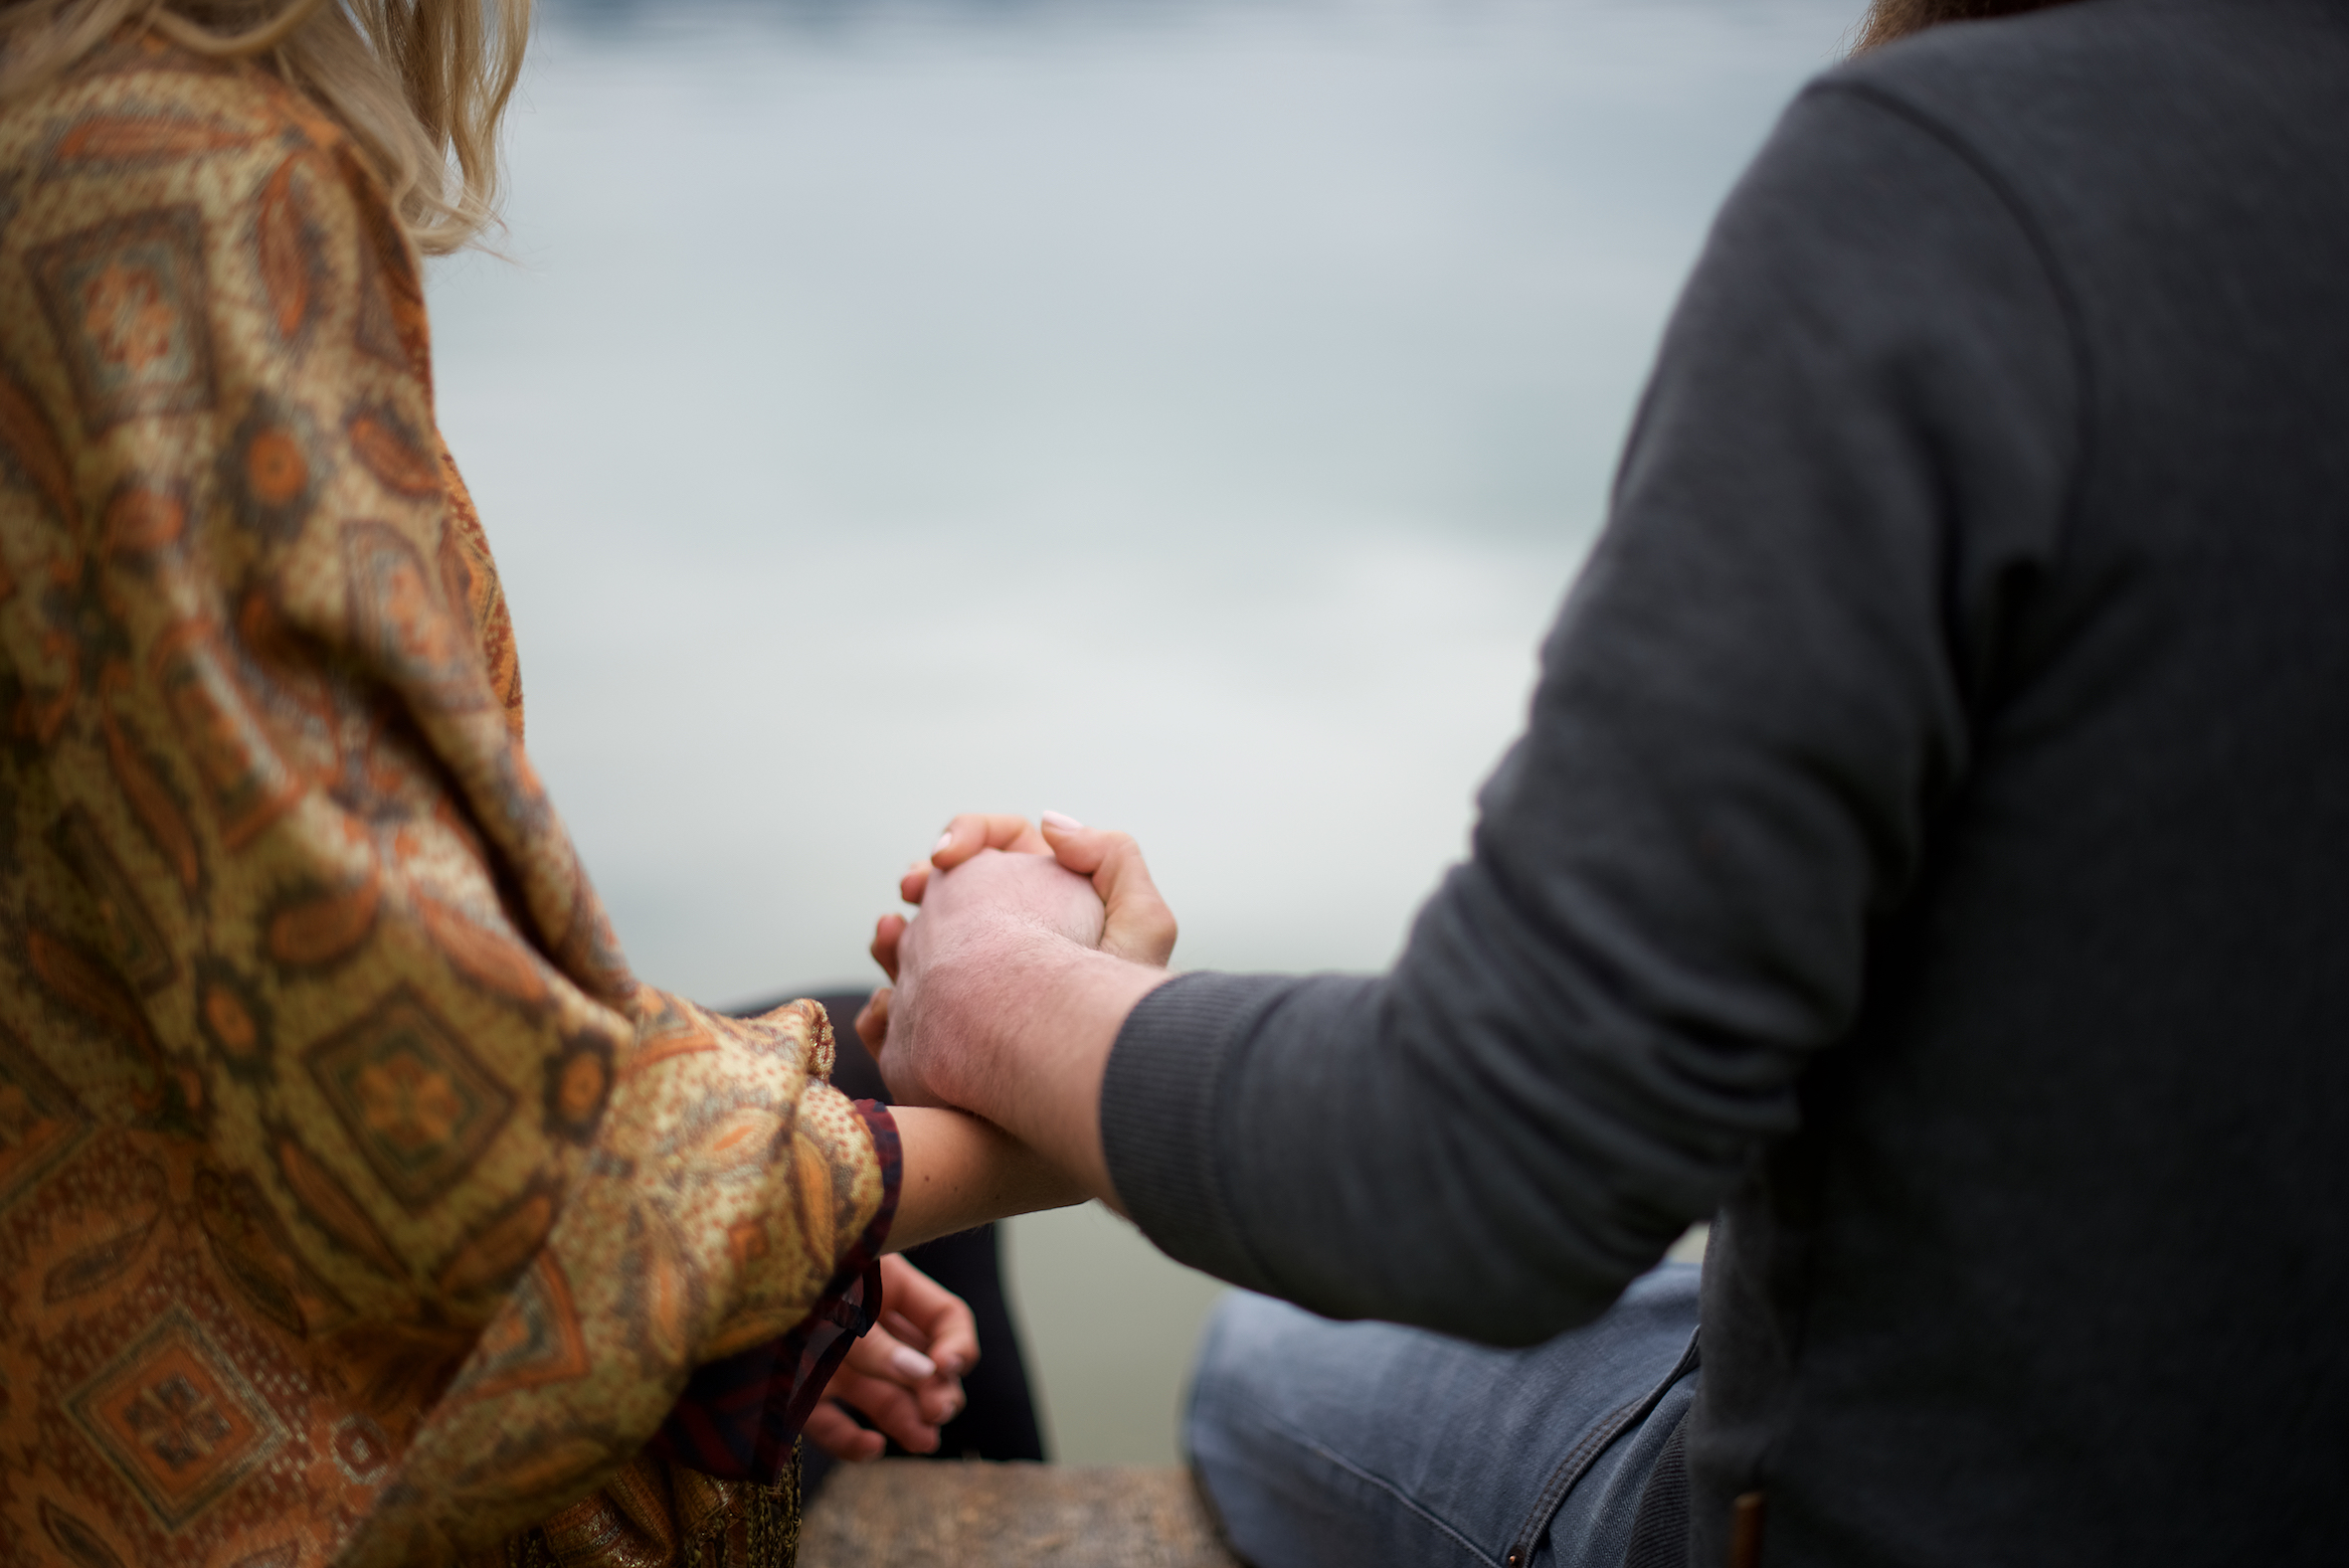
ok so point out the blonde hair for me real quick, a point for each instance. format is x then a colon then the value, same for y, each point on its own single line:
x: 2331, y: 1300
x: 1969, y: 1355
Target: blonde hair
x: 419, y: 85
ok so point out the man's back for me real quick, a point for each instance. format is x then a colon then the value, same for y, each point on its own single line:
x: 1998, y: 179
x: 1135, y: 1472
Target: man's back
x: 2053, y: 1269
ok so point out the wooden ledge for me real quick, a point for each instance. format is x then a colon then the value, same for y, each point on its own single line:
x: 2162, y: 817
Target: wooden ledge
x: 1010, y: 1515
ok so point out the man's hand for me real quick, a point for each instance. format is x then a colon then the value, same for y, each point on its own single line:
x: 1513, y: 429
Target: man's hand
x: 905, y: 1374
x: 1013, y: 985
x: 970, y: 916
x: 1135, y: 923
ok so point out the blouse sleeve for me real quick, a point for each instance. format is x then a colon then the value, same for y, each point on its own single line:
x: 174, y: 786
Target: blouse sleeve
x: 322, y: 918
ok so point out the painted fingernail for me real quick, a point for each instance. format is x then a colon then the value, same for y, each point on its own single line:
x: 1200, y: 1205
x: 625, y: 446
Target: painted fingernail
x: 912, y: 1363
x: 1063, y: 821
x: 945, y: 840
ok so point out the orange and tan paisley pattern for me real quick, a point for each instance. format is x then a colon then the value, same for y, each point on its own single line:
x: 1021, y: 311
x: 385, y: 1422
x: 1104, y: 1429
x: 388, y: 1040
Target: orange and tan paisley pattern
x: 356, y: 1205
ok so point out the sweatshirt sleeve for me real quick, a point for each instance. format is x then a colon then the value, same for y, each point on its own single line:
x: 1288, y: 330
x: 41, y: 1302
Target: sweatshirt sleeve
x: 305, y: 914
x: 1851, y: 466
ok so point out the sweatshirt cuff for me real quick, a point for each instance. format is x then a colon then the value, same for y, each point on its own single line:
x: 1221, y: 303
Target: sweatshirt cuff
x: 1177, y: 1058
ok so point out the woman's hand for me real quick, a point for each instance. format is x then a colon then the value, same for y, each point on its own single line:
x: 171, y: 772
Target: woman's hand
x: 1137, y: 925
x: 905, y: 1374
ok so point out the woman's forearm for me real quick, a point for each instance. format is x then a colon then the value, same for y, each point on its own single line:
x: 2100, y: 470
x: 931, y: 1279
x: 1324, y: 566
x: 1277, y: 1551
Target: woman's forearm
x: 959, y: 1172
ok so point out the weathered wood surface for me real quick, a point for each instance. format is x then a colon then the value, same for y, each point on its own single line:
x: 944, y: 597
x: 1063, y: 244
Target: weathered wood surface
x: 1010, y: 1515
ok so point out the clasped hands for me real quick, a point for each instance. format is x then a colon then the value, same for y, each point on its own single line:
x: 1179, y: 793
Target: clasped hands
x: 1032, y: 943
x: 994, y: 887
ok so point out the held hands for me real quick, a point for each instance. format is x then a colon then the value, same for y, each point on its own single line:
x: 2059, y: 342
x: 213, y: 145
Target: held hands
x: 1135, y: 922
x: 991, y: 880
x: 905, y: 1374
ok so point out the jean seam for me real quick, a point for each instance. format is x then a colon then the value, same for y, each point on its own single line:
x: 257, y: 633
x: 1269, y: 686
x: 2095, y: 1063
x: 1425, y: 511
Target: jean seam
x: 1585, y: 1453
x: 1297, y: 1439
x: 1578, y: 1459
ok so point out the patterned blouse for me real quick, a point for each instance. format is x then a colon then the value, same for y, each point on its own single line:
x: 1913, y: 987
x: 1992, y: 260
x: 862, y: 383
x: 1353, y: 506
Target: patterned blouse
x: 356, y: 1205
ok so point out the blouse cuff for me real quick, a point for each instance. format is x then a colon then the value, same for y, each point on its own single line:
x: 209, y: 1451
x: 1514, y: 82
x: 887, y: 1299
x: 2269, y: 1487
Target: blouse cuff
x: 739, y: 1416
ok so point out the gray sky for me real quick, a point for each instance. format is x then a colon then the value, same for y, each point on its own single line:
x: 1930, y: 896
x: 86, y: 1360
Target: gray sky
x: 1187, y: 417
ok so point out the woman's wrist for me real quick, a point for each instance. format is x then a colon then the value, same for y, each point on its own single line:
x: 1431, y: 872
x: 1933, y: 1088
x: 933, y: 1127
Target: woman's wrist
x: 961, y: 1171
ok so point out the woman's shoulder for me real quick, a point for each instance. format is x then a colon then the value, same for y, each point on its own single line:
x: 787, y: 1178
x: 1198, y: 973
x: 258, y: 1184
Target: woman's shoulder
x: 161, y: 213
x: 143, y: 123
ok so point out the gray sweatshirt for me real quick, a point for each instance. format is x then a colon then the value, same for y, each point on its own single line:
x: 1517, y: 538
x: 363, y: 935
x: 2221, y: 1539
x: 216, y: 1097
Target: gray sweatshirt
x: 1928, y: 849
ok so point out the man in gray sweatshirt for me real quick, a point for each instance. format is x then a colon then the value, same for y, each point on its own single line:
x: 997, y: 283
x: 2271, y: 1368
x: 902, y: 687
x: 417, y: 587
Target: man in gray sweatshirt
x: 1929, y: 853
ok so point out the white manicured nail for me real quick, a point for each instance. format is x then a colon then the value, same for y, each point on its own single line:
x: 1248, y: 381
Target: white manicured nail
x: 912, y: 1363
x: 1063, y: 822
x: 944, y: 839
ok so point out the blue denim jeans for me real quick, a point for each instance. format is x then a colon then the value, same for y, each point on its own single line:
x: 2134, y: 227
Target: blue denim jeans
x: 1377, y: 1447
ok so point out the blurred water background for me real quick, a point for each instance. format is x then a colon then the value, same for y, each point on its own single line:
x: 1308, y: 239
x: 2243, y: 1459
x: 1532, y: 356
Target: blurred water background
x: 1181, y: 414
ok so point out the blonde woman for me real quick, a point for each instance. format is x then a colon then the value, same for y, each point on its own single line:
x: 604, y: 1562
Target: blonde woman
x: 356, y: 1205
